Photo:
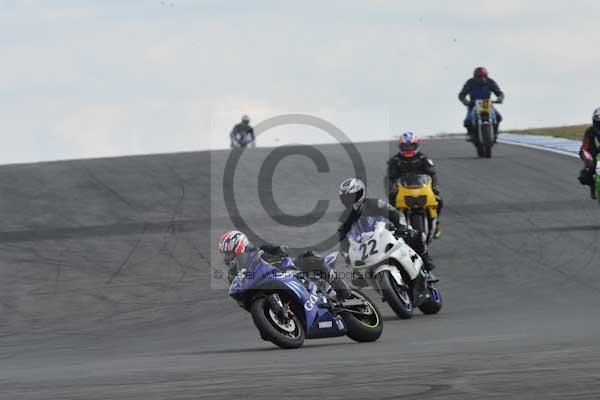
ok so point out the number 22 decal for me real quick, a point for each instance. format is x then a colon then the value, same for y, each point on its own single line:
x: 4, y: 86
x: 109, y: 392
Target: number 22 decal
x: 364, y: 246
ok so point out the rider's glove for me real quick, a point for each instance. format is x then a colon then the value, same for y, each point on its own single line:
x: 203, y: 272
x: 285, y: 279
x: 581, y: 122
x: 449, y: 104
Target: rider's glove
x: 466, y: 102
x: 346, y: 257
x: 403, y: 233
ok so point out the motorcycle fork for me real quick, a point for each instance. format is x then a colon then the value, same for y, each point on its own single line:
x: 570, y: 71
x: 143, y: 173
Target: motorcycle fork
x: 277, y: 305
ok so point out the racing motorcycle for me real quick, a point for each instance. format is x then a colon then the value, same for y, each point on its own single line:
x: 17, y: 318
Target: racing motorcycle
x: 483, y: 118
x: 416, y: 199
x: 287, y: 308
x: 241, y: 141
x: 386, y: 263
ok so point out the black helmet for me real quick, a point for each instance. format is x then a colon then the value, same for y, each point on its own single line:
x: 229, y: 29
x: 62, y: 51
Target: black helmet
x: 596, y: 119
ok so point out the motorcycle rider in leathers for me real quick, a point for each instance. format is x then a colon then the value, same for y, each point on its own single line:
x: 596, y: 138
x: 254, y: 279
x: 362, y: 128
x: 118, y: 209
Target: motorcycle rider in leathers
x: 234, y: 243
x: 480, y: 87
x: 590, y: 147
x: 410, y: 159
x: 353, y: 195
x: 242, y: 133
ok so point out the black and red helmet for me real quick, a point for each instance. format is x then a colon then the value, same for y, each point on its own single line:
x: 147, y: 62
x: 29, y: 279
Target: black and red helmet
x: 480, y: 72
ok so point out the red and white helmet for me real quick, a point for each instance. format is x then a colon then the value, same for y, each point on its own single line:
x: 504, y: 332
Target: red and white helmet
x: 232, y: 244
x: 409, y: 144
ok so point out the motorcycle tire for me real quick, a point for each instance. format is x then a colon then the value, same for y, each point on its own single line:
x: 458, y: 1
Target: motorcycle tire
x: 433, y: 305
x: 418, y: 222
x: 273, y: 330
x: 397, y: 297
x: 488, y: 151
x: 363, y: 328
x: 480, y: 151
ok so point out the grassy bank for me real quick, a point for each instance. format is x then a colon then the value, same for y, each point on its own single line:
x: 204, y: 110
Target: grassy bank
x: 569, y: 132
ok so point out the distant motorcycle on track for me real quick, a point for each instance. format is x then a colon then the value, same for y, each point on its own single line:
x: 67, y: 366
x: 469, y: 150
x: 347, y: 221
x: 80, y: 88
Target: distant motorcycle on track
x: 241, y: 141
x: 288, y: 308
x: 483, y: 119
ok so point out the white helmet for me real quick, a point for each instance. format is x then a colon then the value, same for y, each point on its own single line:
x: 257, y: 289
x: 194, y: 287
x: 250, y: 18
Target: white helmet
x: 353, y: 193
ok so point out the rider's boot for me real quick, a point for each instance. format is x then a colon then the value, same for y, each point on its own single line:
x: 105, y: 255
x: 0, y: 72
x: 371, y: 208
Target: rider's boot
x: 438, y: 231
x: 429, y: 266
x: 419, y: 288
x: 341, y: 289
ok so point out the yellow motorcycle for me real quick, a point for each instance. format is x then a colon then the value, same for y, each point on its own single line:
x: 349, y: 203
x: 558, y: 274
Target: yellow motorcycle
x: 416, y: 199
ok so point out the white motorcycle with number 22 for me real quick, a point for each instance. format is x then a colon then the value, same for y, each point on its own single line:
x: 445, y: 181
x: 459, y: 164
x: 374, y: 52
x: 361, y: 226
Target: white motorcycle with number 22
x: 391, y: 267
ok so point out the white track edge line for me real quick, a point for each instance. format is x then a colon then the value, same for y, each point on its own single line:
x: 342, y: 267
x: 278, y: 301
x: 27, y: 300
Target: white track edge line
x: 533, y: 146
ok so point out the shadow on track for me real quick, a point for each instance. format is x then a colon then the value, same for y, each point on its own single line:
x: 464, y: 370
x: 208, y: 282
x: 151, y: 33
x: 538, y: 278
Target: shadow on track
x: 264, y: 349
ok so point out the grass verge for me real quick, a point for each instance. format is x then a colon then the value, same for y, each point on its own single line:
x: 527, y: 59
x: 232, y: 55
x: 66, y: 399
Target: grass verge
x: 568, y: 132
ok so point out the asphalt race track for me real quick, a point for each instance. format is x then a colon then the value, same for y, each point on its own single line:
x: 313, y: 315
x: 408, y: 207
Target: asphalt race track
x: 107, y: 287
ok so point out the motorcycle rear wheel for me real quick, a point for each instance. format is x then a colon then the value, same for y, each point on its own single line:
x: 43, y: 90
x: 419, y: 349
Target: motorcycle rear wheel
x: 365, y: 327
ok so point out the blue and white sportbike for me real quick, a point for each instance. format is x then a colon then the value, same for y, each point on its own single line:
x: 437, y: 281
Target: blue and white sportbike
x: 386, y: 263
x: 287, y: 308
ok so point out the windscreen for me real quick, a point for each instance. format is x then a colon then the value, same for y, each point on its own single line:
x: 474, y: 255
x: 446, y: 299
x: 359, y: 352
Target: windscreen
x: 364, y: 224
x: 415, y: 180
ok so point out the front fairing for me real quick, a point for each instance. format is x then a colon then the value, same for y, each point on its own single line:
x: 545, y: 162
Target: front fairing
x: 477, y: 116
x: 415, y: 191
x: 252, y: 271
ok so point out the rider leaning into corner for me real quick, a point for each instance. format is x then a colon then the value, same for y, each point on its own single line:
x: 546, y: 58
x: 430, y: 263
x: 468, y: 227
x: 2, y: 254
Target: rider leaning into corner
x: 234, y: 243
x: 241, y: 132
x: 408, y: 160
x: 353, y: 195
x: 588, y: 152
x: 480, y: 87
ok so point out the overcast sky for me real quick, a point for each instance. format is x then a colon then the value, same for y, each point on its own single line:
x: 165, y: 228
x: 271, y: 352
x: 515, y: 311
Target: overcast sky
x: 100, y: 78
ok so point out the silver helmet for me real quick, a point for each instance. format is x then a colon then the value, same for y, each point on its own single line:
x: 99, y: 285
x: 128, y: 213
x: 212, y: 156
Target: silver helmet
x: 353, y: 193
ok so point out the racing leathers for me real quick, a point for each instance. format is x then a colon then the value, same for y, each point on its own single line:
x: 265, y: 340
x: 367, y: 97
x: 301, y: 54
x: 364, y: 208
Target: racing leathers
x: 309, y: 263
x: 400, y: 165
x: 588, y: 152
x: 241, y: 135
x: 479, y: 89
x: 273, y: 254
x: 373, y: 207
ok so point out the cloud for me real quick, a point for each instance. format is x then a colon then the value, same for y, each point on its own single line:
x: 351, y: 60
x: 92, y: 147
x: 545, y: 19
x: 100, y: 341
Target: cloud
x: 107, y: 78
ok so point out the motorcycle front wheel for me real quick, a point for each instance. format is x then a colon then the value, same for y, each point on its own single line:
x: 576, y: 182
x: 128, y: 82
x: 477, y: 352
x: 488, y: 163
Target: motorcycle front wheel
x: 434, y: 304
x: 397, y: 296
x: 286, y: 333
x: 488, y: 140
